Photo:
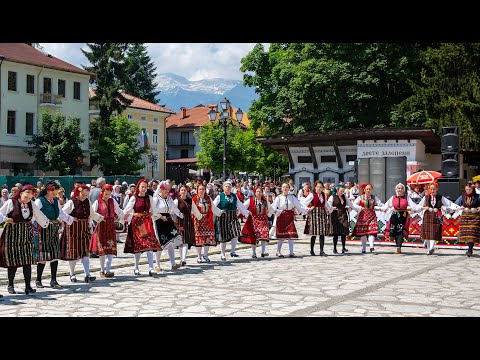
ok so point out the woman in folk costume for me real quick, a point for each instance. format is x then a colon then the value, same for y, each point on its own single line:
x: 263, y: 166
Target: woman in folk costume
x: 399, y: 223
x: 256, y: 227
x: 270, y: 196
x: 228, y: 224
x: 118, y: 197
x: 284, y: 222
x: 165, y: 227
x: 104, y: 240
x: 367, y: 224
x: 204, y: 211
x: 317, y: 221
x: 433, y: 205
x: 469, y: 203
x: 17, y: 247
x: 141, y: 233
x: 48, y: 246
x: 240, y: 196
x: 75, y: 239
x: 339, y: 217
x: 185, y: 225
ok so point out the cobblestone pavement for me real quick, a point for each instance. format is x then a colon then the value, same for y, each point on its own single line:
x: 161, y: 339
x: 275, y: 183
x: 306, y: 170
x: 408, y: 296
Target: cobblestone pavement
x: 374, y: 284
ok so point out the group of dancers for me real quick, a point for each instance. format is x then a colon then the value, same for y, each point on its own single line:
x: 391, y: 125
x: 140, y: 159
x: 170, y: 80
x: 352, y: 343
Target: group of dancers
x: 31, y: 233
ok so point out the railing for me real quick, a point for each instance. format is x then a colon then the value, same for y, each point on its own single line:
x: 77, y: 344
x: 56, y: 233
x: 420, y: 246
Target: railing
x: 48, y: 98
x: 177, y: 142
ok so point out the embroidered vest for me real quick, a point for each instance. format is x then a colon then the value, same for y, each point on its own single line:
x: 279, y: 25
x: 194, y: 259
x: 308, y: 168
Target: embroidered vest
x: 50, y: 210
x: 81, y: 210
x: 438, y: 201
x: 16, y: 213
x: 228, y: 202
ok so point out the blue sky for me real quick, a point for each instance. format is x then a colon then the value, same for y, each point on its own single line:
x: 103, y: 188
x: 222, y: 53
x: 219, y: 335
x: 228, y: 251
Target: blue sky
x: 193, y: 61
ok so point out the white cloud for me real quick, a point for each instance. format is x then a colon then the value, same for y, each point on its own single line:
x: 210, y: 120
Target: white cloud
x: 193, y: 61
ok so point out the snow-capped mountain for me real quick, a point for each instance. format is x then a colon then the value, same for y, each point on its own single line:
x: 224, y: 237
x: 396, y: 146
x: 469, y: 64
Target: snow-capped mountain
x: 177, y: 91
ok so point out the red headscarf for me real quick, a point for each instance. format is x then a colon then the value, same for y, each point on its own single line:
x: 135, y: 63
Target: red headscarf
x: 138, y: 185
x: 24, y: 188
x: 105, y: 187
x: 78, y: 189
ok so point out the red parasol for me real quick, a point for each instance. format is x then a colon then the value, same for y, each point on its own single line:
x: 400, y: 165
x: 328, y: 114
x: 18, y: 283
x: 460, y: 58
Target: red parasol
x: 423, y: 177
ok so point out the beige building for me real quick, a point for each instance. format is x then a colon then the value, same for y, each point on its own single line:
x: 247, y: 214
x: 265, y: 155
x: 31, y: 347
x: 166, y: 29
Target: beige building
x: 151, y: 118
x: 32, y: 82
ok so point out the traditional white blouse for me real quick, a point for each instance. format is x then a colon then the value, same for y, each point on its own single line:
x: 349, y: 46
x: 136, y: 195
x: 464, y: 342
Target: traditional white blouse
x: 194, y: 210
x: 62, y: 215
x: 119, y: 212
x: 358, y: 208
x: 240, y: 205
x: 165, y: 206
x: 38, y: 215
x: 271, y: 211
x: 128, y: 209
x: 215, y: 210
x: 69, y: 206
x: 446, y: 204
x: 288, y: 202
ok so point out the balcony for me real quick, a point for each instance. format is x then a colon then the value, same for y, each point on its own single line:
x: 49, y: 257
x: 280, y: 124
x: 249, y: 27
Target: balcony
x: 178, y: 142
x: 48, y: 99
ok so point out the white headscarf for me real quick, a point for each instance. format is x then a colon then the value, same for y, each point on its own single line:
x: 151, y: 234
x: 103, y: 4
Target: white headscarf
x: 162, y: 183
x: 400, y: 184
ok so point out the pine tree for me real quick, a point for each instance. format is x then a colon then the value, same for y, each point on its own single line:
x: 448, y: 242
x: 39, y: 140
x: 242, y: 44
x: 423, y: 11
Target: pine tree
x: 140, y: 80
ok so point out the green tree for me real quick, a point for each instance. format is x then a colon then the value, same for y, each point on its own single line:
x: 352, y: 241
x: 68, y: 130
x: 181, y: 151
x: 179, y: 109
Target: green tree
x: 140, y: 80
x: 328, y: 86
x: 57, y: 146
x: 119, y: 151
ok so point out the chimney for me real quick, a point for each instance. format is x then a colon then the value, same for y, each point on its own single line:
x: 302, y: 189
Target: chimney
x: 184, y: 112
x: 213, y: 106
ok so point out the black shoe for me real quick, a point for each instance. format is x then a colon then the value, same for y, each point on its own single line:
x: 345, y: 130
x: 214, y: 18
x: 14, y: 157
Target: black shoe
x: 280, y: 255
x: 11, y: 290
x: 344, y: 250
x: 151, y: 272
x: 233, y: 255
x: 94, y: 256
x: 371, y: 249
x: 29, y: 290
x: 55, y: 285
x: 430, y: 252
x: 90, y: 278
x: 312, y: 253
x: 335, y: 251
x: 323, y: 253
x: 292, y: 255
x: 38, y: 284
x: 469, y: 253
x: 364, y: 251
x: 73, y: 278
x: 184, y: 263
x: 265, y: 254
x: 254, y: 256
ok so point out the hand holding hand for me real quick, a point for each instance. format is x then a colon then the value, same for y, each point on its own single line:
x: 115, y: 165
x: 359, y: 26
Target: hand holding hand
x: 10, y: 220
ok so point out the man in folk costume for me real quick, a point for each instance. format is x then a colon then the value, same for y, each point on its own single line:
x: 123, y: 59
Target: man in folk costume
x: 339, y: 217
x: 317, y: 221
x: 284, y: 222
x: 399, y: 223
x: 141, y: 233
x: 17, y: 247
x: 185, y: 225
x: 204, y: 211
x: 165, y: 228
x: 48, y: 246
x: 433, y: 205
x: 229, y: 226
x: 104, y: 238
x: 367, y: 225
x: 469, y: 232
x: 256, y: 227
x: 75, y: 239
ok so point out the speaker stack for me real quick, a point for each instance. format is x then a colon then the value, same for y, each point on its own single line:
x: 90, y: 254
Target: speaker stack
x: 450, y: 184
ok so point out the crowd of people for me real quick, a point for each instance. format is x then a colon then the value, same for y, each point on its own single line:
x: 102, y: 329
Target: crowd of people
x: 40, y: 225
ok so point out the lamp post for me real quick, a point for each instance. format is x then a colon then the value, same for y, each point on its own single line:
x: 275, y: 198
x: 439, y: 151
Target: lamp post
x: 225, y: 119
x: 152, y: 158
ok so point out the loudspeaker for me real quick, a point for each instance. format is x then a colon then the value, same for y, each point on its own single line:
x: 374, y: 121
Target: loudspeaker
x: 396, y: 172
x: 450, y: 138
x: 451, y: 188
x: 450, y: 164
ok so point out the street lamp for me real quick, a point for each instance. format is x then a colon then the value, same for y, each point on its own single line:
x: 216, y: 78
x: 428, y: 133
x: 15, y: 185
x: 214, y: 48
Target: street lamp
x: 225, y: 120
x: 152, y: 158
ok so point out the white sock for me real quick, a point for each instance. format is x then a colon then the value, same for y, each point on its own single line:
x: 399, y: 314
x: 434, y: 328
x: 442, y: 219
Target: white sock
x: 364, y: 242
x: 109, y: 262
x: 371, y: 240
x: 158, y: 255
x: 199, y: 252
x: 279, y: 246
x: 86, y: 265
x: 150, y: 259
x: 102, y: 263
x: 137, y: 260
x: 432, y: 244
x: 254, y: 249
x: 233, y: 245
x: 118, y: 236
x: 171, y: 253
x: 205, y: 250
x: 72, y: 263
x: 290, y: 246
x: 184, y: 252
x: 264, y: 246
x: 223, y: 247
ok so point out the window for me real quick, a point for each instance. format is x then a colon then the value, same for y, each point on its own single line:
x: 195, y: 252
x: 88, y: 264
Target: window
x: 328, y: 158
x: 61, y: 88
x: 29, y: 124
x: 328, y: 180
x: 184, y: 137
x: 30, y: 84
x: 11, y: 122
x: 130, y: 117
x: 47, y: 85
x: 184, y: 153
x: 155, y: 120
x: 304, y: 159
x: 76, y: 90
x: 155, y: 136
x: 351, y: 158
x: 12, y: 81
x: 143, y: 118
